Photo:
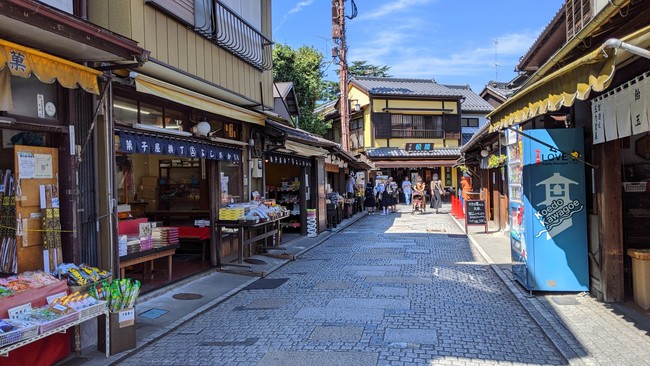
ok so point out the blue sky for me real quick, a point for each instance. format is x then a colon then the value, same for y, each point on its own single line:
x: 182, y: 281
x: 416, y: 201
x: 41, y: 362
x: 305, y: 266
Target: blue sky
x: 452, y: 42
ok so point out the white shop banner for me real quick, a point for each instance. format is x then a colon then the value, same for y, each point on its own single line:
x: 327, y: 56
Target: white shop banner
x: 624, y: 98
x: 639, y: 106
x: 597, y: 121
x: 609, y: 116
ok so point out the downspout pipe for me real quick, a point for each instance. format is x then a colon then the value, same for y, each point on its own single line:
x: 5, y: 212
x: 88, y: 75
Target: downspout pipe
x: 617, y: 43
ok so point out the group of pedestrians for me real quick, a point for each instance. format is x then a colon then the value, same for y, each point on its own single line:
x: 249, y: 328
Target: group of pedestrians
x: 384, y: 196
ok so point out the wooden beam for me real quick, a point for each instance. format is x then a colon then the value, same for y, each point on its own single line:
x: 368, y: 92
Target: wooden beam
x: 610, y: 219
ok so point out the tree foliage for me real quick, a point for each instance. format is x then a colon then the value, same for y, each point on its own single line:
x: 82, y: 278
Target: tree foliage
x: 362, y: 68
x: 305, y: 68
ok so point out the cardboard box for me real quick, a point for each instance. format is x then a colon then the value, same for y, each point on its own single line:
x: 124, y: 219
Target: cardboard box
x: 148, y: 192
x: 149, y: 181
x: 122, y: 331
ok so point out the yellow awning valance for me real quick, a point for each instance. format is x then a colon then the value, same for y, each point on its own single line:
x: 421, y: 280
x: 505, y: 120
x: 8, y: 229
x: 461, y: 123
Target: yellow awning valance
x: 592, y: 72
x: 149, y: 85
x: 23, y: 61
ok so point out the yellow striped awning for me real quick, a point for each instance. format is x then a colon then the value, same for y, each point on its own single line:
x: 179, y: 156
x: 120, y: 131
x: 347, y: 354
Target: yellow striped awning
x: 592, y: 72
x: 24, y: 61
x: 149, y: 85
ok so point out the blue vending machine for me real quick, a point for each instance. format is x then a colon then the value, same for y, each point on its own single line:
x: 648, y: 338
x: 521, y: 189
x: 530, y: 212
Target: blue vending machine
x: 548, y: 222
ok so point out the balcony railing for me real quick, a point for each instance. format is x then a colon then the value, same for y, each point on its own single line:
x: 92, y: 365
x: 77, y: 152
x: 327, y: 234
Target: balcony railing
x: 231, y: 32
x: 424, y: 134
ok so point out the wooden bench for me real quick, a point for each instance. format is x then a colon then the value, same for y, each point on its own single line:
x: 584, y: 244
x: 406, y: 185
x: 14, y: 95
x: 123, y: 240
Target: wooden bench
x: 148, y: 259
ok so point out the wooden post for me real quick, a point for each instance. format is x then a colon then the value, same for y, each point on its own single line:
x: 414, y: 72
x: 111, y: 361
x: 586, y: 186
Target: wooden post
x: 610, y: 219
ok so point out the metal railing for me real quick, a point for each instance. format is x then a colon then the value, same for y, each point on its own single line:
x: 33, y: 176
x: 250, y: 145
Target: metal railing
x: 409, y: 133
x: 231, y: 32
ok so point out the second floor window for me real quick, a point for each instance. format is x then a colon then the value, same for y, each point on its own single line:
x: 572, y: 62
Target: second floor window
x: 416, y: 126
x: 469, y: 122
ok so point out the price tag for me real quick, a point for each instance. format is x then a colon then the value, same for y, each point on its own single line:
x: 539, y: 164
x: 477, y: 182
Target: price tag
x: 15, y: 313
x: 126, y: 317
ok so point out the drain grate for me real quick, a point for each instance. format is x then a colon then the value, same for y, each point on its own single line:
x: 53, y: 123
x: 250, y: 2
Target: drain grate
x: 153, y: 313
x: 187, y: 296
x: 266, y: 284
x: 565, y: 300
x: 254, y: 261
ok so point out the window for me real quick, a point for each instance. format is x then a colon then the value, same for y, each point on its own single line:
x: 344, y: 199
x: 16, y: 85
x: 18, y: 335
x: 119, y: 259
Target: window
x: 469, y: 122
x: 151, y: 115
x: 231, y: 183
x: 416, y: 126
x: 125, y: 110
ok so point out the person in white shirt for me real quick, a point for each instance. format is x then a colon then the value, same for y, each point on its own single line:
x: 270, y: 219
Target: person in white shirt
x: 407, y: 190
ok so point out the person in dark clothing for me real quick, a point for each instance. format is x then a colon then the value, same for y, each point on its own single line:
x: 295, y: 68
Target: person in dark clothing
x: 369, y: 201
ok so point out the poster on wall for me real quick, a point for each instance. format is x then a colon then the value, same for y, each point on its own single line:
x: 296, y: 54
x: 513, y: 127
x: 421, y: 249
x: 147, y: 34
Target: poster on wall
x: 43, y: 166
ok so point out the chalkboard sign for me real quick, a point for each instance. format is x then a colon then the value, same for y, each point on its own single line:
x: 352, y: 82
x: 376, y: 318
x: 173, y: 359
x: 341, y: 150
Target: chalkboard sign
x: 475, y: 213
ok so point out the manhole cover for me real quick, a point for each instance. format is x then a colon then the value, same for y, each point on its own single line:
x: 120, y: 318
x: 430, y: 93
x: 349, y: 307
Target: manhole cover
x: 254, y: 261
x: 187, y: 296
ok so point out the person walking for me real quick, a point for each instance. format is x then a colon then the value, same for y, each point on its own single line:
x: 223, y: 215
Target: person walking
x: 394, y: 189
x: 379, y: 193
x: 387, y: 197
x: 407, y: 190
x: 436, y: 193
x: 369, y: 201
x: 350, y: 186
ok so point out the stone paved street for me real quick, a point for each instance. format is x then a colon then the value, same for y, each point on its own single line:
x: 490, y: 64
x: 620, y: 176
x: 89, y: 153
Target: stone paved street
x: 388, y: 290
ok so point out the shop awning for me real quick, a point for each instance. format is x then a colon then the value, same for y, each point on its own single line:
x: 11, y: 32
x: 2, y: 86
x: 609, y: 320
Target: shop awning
x: 414, y: 163
x: 24, y: 61
x: 592, y: 72
x: 149, y: 85
x: 304, y: 150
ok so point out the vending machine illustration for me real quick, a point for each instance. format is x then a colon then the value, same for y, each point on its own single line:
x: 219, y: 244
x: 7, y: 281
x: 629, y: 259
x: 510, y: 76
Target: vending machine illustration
x: 548, y: 222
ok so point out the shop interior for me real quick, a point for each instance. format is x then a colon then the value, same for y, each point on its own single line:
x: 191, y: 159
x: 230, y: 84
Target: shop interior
x: 283, y: 184
x: 166, y: 198
x: 636, y: 201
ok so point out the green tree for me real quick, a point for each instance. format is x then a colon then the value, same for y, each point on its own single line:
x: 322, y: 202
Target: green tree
x: 305, y: 68
x: 362, y: 68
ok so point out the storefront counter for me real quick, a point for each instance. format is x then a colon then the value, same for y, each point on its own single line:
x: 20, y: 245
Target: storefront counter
x: 250, y: 234
x: 147, y: 257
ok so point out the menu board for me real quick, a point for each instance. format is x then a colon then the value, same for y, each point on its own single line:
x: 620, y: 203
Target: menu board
x: 475, y: 212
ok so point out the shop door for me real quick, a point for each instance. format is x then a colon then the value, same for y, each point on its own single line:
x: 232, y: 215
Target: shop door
x: 37, y: 175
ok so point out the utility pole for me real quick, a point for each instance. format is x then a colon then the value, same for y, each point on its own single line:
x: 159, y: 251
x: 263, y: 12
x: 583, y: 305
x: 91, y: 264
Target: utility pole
x: 338, y: 35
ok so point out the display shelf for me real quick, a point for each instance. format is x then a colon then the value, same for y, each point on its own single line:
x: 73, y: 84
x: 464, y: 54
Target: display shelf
x: 101, y: 309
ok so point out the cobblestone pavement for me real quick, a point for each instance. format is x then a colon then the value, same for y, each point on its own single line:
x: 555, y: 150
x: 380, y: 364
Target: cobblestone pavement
x: 389, y: 290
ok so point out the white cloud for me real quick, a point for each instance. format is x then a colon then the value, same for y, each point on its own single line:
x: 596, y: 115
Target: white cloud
x: 408, y: 55
x: 391, y: 7
x: 301, y: 5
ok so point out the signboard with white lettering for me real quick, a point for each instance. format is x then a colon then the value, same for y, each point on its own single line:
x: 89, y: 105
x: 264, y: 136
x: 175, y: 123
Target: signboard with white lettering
x: 475, y: 213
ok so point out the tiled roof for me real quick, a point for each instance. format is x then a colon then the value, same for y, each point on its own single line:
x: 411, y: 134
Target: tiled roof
x: 482, y: 131
x: 473, y: 102
x: 499, y: 88
x: 470, y: 130
x: 396, y: 152
x: 299, y: 135
x: 410, y: 87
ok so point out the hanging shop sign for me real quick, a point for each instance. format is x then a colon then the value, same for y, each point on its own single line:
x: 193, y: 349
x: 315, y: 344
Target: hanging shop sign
x: 288, y: 160
x: 419, y: 146
x: 623, y: 111
x: 145, y: 144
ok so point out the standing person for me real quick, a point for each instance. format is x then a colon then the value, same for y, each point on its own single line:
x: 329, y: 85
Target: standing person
x: 394, y: 188
x: 369, y: 202
x: 350, y: 186
x: 387, y: 197
x: 418, y: 191
x: 436, y: 193
x: 465, y: 187
x: 407, y: 190
x: 379, y: 192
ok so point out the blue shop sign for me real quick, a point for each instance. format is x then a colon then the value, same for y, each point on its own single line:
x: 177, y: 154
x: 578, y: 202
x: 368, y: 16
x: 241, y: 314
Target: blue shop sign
x: 144, y: 144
